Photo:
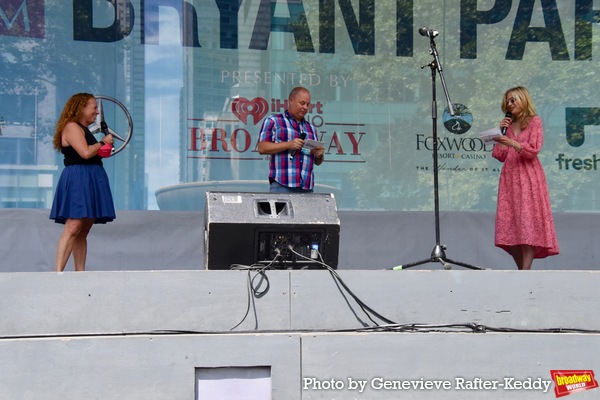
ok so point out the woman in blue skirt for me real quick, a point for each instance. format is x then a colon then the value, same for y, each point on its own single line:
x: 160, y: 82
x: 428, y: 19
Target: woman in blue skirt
x: 83, y: 195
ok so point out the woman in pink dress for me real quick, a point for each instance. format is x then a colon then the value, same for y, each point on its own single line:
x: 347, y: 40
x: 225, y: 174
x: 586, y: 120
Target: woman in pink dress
x: 524, y: 223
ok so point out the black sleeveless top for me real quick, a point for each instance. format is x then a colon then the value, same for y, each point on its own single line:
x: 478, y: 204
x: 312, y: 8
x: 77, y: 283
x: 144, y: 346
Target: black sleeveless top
x: 72, y: 157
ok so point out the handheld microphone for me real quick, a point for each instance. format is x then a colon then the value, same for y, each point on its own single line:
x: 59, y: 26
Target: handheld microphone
x: 507, y: 115
x: 293, y: 152
x: 106, y: 150
x: 103, y: 124
x: 104, y: 128
x: 430, y: 33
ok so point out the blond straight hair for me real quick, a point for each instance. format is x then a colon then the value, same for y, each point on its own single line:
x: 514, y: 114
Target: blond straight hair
x: 528, y: 110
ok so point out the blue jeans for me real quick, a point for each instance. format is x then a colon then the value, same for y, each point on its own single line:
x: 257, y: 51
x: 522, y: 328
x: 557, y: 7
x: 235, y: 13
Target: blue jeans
x: 276, y: 187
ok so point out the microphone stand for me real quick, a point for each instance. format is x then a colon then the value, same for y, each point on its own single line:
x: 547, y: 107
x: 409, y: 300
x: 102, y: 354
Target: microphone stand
x: 438, y: 253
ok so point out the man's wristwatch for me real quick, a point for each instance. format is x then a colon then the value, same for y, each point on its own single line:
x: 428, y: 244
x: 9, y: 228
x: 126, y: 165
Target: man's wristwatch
x: 102, y: 142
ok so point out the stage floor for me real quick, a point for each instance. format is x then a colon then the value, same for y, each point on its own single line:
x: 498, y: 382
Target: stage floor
x: 171, y: 240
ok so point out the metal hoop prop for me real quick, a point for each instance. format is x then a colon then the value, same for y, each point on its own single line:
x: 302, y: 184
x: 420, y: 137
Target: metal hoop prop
x: 100, y: 125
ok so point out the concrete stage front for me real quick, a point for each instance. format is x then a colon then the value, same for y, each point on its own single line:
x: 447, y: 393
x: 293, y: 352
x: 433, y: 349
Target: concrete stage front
x: 151, y: 334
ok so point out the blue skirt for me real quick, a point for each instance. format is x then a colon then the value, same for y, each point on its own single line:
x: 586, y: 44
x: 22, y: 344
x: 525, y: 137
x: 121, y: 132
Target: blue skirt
x: 83, y: 192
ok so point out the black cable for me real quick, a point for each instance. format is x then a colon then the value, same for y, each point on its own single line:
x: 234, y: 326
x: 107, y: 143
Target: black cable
x: 253, y: 289
x: 364, y: 307
x: 469, y: 327
x: 399, y: 328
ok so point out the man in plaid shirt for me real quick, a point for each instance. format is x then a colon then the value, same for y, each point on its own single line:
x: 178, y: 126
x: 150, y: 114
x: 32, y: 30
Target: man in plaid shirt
x: 282, y: 137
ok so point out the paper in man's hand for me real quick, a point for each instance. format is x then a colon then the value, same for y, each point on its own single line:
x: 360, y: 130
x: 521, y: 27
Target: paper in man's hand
x: 311, y: 144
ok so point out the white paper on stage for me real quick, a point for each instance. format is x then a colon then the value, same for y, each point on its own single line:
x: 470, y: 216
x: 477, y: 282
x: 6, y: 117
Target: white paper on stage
x: 490, y: 134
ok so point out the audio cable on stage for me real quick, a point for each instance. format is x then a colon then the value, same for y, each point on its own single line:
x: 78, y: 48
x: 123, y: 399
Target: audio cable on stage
x: 254, y: 286
x: 369, y: 312
x: 258, y: 285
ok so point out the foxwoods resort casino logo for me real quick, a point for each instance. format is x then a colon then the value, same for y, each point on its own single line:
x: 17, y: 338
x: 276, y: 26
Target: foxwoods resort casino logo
x: 572, y: 381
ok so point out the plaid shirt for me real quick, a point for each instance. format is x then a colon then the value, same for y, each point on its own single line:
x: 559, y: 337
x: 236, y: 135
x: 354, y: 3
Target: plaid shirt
x: 295, y: 172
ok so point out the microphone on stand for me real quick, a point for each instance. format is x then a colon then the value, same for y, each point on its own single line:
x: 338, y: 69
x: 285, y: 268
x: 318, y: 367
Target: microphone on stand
x: 430, y: 33
x: 293, y: 152
x: 507, y: 115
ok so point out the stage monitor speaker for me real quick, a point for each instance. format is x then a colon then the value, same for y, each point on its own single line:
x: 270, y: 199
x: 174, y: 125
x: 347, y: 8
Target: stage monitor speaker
x: 271, y: 229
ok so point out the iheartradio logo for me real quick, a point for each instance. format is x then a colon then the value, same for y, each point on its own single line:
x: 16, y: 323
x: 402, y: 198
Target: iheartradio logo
x: 257, y: 107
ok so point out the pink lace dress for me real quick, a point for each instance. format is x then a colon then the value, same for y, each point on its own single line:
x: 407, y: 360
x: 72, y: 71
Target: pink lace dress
x: 524, y: 214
